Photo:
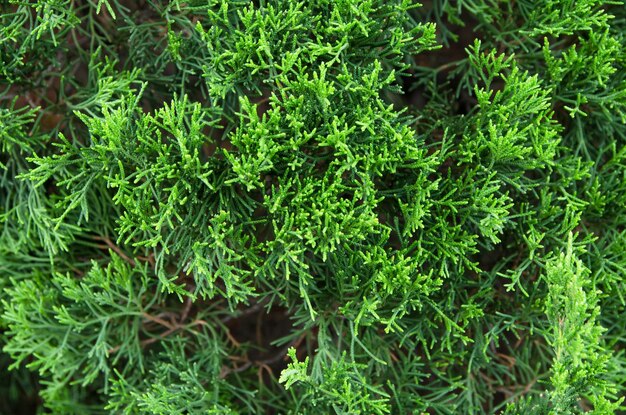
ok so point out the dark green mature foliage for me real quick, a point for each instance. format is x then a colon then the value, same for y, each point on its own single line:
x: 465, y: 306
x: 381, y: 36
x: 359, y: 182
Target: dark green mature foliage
x: 322, y: 207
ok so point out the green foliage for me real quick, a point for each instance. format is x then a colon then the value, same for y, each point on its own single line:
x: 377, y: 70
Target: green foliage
x: 580, y: 360
x: 348, y: 207
x: 341, y: 388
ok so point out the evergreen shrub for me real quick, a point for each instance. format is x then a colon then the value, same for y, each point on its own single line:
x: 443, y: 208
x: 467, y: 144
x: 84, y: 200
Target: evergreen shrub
x: 312, y: 207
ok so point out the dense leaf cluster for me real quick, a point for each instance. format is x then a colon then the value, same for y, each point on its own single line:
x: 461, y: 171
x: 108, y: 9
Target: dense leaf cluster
x: 320, y: 207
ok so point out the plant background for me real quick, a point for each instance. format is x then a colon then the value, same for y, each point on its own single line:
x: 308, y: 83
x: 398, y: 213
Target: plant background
x: 312, y: 207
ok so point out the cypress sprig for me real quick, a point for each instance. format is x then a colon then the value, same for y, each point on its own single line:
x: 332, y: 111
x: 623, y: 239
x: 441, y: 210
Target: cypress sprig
x: 289, y: 207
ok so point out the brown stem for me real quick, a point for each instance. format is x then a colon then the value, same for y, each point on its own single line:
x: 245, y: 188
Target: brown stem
x: 160, y: 321
x: 115, y: 248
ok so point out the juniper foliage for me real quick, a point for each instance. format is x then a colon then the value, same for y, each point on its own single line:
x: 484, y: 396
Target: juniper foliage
x: 289, y: 207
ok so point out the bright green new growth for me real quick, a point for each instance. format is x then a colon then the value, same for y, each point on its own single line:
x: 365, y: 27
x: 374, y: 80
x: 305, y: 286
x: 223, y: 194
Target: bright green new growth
x: 579, y: 362
x: 323, y: 207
